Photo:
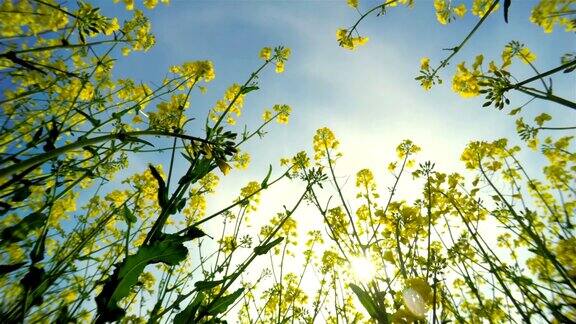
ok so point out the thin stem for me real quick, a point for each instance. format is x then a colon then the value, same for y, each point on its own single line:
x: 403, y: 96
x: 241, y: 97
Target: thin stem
x: 544, y: 74
x: 457, y: 49
x: 39, y: 159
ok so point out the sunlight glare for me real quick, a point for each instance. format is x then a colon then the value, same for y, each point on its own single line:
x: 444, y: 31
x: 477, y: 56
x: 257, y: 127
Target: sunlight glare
x: 363, y: 268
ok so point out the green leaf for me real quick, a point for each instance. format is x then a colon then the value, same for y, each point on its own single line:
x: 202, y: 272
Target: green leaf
x: 264, y: 183
x: 21, y: 194
x: 365, y: 300
x: 37, y: 253
x: 190, y: 159
x: 506, y: 8
x: 33, y: 278
x: 205, y: 285
x: 245, y: 90
x: 221, y: 304
x: 36, y: 137
x: 170, y: 251
x: 188, y: 314
x: 129, y: 216
x: 263, y: 249
x: 20, y: 231
x: 162, y: 191
x: 194, y: 233
x: 7, y: 268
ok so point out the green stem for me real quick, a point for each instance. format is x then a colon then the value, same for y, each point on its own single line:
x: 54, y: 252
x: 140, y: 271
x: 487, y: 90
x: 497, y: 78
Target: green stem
x: 548, y: 97
x: 383, y: 5
x: 342, y: 197
x: 41, y: 158
x: 457, y: 49
x: 544, y: 74
x: 53, y: 47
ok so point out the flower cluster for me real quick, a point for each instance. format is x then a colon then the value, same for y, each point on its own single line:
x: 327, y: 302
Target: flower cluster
x: 481, y: 7
x: 446, y: 12
x: 194, y: 71
x: 250, y: 195
x: 324, y: 141
x: 427, y: 75
x: 232, y: 102
x: 29, y: 17
x: 150, y: 4
x: 169, y: 116
x: 346, y: 41
x: 283, y: 112
x: 467, y: 82
x: 548, y: 13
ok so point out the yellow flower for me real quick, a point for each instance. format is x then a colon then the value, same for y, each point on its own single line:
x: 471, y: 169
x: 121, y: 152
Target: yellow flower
x: 442, y: 11
x: 112, y: 26
x: 480, y: 7
x: 566, y: 252
x: 465, y: 83
x: 426, y: 83
x: 527, y: 55
x: 147, y: 280
x: 241, y: 160
x: 357, y: 41
x: 266, y: 53
x: 323, y: 141
x: 195, y: 208
x: 232, y: 102
x: 283, y: 53
x: 460, y: 10
x: 150, y: 4
x: 251, y: 193
x: 548, y: 13
x: 283, y: 113
x: 69, y: 296
x: 364, y: 178
x: 201, y: 70
x: 352, y: 3
x: 137, y: 119
x: 169, y: 114
x: 266, y: 115
x: 129, y: 4
x: 348, y: 42
x: 279, y: 67
x: 117, y: 197
x: 407, y: 147
x: 209, y: 182
x: 425, y: 63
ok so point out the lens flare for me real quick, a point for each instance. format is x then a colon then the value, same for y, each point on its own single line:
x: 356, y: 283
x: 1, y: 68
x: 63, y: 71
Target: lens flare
x: 414, y: 302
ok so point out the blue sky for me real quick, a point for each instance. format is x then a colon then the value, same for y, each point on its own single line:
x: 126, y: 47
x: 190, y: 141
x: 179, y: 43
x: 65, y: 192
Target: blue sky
x: 368, y: 97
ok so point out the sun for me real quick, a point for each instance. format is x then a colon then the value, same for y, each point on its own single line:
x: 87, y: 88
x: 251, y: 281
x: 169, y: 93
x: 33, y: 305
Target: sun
x: 363, y: 268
